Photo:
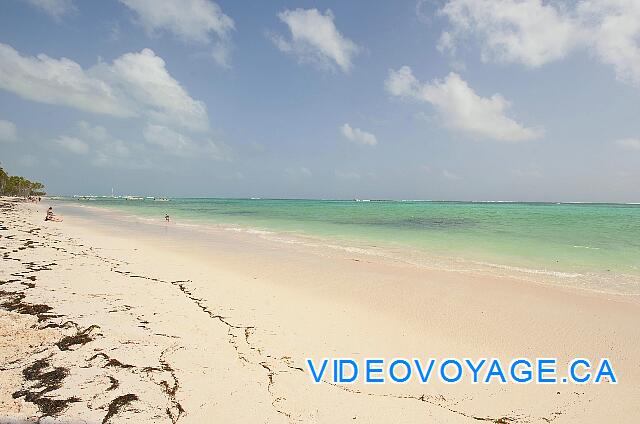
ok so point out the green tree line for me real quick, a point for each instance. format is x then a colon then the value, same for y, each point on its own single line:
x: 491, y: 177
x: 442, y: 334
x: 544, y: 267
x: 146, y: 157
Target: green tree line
x: 13, y: 185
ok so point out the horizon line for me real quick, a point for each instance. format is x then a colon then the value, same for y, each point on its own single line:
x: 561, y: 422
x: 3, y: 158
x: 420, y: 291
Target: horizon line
x: 355, y: 199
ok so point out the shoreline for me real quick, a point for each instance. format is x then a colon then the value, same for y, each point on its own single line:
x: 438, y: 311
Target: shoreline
x: 214, y: 328
x: 579, y: 280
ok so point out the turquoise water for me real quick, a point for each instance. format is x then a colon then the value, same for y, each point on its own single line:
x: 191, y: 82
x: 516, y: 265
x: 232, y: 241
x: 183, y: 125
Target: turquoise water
x: 595, y: 238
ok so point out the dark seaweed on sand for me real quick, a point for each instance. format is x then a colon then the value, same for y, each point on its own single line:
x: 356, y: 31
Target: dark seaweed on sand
x: 117, y: 404
x: 43, y: 383
x: 80, y: 338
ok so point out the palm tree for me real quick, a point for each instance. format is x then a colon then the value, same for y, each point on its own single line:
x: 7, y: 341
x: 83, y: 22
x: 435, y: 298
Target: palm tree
x: 3, y: 180
x: 13, y: 185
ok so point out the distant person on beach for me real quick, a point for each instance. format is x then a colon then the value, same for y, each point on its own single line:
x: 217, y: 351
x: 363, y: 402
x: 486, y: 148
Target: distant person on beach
x: 51, y: 217
x: 166, y: 218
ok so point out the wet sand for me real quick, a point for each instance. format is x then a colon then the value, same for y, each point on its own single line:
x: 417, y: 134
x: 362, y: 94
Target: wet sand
x: 106, y: 322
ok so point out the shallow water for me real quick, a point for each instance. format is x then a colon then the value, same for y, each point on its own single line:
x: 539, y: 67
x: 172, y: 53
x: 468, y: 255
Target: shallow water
x: 601, y: 240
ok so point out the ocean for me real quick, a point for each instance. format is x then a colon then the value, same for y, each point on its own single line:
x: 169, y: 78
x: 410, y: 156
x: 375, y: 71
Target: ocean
x: 596, y: 246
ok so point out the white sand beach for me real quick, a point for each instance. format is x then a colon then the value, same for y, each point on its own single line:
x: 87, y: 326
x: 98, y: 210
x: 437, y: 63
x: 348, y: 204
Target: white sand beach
x: 106, y: 323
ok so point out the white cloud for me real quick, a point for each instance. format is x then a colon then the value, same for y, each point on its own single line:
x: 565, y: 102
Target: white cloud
x: 347, y: 175
x: 527, y: 173
x: 142, y: 80
x: 194, y: 21
x: 57, y: 9
x: 305, y: 171
x: 402, y: 83
x: 299, y: 172
x: 425, y: 10
x: 614, y: 28
x: 525, y: 31
x: 460, y: 108
x: 533, y: 32
x: 446, y: 43
x: 358, y: 136
x: 103, y: 142
x: 104, y: 149
x: 190, y: 20
x: 57, y: 81
x: 135, y: 84
x: 8, y: 131
x: 315, y: 38
x: 72, y: 144
x: 169, y: 140
x: 28, y: 161
x: 450, y: 175
x: 221, y: 54
x: 629, y: 143
x: 180, y: 144
x: 156, y: 143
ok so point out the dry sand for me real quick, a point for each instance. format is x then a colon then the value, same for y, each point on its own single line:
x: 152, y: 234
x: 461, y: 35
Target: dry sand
x: 106, y: 323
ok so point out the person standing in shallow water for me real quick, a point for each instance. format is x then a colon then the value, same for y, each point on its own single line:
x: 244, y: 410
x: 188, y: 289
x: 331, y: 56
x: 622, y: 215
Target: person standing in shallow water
x: 166, y: 218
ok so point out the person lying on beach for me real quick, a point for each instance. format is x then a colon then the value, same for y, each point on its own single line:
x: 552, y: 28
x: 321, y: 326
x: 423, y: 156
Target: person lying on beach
x: 51, y: 217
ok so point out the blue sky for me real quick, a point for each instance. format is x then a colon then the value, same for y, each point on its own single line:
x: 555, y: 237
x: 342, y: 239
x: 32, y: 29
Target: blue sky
x: 451, y: 99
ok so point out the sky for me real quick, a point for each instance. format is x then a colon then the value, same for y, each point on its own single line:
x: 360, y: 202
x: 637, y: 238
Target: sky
x: 524, y: 100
